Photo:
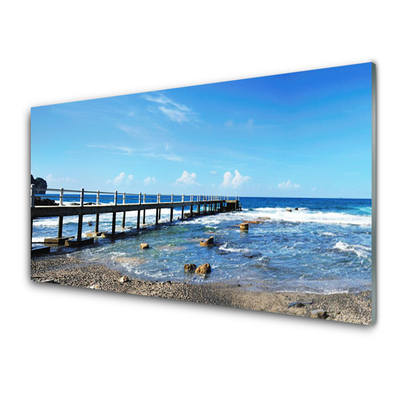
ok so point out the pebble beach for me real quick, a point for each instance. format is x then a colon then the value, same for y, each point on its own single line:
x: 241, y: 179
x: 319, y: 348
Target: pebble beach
x: 66, y: 270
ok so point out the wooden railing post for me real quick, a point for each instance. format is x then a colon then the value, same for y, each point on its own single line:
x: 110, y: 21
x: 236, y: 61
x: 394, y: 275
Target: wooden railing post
x: 80, y: 217
x: 60, y: 218
x: 32, y: 206
x: 96, y: 228
x: 33, y: 195
x: 82, y: 196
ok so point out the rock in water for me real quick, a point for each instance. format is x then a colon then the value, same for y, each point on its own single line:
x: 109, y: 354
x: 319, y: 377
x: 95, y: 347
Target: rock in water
x: 244, y: 226
x: 322, y: 314
x: 144, y: 246
x: 189, y: 267
x: 207, y: 242
x: 203, y: 269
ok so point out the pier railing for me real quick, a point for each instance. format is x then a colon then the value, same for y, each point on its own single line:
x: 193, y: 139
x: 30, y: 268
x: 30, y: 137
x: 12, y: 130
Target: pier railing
x: 62, y: 202
x: 62, y: 197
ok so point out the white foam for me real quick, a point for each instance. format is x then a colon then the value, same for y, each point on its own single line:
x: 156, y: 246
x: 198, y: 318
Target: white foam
x: 302, y: 215
x: 233, y: 250
x: 360, y: 250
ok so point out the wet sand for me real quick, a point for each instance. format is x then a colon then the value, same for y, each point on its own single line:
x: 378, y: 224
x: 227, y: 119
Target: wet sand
x: 345, y: 307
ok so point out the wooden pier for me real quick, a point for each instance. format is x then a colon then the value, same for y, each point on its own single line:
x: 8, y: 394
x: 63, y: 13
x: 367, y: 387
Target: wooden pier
x: 92, y: 203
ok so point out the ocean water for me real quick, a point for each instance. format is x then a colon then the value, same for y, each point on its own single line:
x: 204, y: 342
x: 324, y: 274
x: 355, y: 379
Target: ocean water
x: 323, y: 246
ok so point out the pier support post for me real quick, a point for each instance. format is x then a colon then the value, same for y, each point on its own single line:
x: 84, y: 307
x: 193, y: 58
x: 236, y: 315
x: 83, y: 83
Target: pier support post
x: 114, y: 218
x: 156, y: 216
x: 80, y: 218
x: 191, y: 210
x: 171, y: 216
x: 114, y: 214
x: 124, y: 213
x: 198, y: 209
x: 183, y: 209
x: 80, y: 222
x: 138, y: 220
x: 144, y: 216
x: 97, y: 223
x: 60, y: 226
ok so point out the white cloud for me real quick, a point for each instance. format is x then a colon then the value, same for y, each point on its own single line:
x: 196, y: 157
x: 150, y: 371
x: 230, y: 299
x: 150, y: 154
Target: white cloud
x: 234, y: 181
x: 250, y: 123
x: 213, y: 172
x: 52, y: 181
x: 118, y: 179
x: 240, y: 125
x: 162, y: 99
x: 150, y: 180
x: 174, y: 111
x: 187, y: 178
x: 227, y: 179
x: 288, y: 185
x: 164, y: 156
x: 174, y: 115
x: 125, y: 150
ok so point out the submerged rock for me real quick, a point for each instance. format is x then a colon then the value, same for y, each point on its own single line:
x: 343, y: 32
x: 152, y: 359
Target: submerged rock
x: 251, y: 255
x: 144, y: 246
x: 189, y: 267
x: 203, y: 269
x: 207, y: 242
x: 244, y: 226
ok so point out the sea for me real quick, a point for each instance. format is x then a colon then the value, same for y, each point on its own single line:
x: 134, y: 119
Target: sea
x: 309, y: 245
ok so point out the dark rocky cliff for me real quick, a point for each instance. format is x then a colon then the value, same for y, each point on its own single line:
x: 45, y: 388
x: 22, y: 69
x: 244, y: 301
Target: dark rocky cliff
x: 40, y: 185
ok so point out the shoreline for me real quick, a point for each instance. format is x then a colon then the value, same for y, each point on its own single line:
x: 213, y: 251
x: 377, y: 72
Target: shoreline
x: 345, y: 307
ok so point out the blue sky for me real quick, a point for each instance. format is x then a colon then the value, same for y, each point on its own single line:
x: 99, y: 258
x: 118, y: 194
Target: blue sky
x: 305, y: 134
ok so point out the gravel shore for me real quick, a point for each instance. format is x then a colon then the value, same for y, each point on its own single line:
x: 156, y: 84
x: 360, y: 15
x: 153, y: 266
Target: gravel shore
x: 345, y: 307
